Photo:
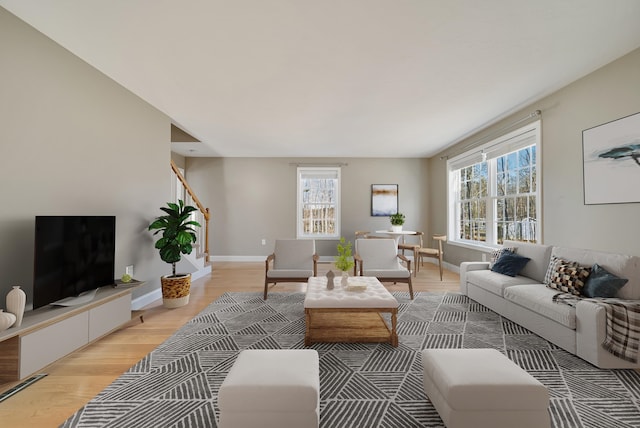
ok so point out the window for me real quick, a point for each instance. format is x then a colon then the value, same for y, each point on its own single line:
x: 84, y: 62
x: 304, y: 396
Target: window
x: 493, y: 190
x: 318, y: 214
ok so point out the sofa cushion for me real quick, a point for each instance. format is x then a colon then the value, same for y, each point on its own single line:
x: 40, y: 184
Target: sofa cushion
x: 539, y: 255
x: 620, y: 265
x: 602, y: 283
x: 494, y: 282
x: 510, y: 263
x: 569, y: 278
x: 539, y: 299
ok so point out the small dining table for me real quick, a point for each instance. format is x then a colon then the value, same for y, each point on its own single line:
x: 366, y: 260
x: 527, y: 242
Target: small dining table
x: 396, y: 235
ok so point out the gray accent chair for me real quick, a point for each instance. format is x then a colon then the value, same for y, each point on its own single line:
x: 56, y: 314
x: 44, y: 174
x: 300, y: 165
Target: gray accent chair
x: 380, y: 258
x: 293, y: 260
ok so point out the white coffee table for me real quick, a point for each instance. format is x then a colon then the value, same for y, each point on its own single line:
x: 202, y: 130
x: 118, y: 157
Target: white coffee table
x: 349, y: 315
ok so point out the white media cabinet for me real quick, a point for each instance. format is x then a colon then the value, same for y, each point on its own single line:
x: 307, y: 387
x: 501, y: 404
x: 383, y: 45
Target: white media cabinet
x: 52, y: 332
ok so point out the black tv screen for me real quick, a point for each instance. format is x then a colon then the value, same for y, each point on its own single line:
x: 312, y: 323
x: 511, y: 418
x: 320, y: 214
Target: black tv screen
x: 73, y: 254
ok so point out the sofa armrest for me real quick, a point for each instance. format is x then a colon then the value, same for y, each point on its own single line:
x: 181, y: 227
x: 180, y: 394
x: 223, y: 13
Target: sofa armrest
x: 591, y: 330
x: 468, y: 267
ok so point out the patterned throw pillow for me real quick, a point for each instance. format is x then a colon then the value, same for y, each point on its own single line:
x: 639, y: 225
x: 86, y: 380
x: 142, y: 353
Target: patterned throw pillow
x: 495, y: 254
x: 553, y: 265
x: 569, y: 278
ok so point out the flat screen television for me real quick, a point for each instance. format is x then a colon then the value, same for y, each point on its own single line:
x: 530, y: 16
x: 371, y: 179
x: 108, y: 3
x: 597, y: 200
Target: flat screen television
x: 73, y: 255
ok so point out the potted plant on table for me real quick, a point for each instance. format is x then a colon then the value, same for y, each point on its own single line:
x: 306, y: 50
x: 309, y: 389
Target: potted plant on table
x: 344, y: 259
x: 397, y: 220
x: 178, y: 237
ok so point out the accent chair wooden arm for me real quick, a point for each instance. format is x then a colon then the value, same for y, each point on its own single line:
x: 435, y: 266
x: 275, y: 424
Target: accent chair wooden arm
x: 357, y: 259
x: 316, y: 257
x: 270, y: 257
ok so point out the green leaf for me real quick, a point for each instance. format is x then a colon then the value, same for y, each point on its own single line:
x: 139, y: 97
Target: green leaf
x: 177, y: 229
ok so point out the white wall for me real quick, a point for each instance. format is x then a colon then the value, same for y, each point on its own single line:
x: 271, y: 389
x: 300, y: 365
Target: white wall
x: 255, y: 198
x: 74, y: 143
x: 607, y: 94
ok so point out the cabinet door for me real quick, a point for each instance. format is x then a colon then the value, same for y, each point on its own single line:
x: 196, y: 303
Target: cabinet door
x: 44, y: 346
x: 105, y: 318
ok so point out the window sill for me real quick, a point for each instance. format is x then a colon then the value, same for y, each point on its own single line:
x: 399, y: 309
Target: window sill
x: 485, y: 248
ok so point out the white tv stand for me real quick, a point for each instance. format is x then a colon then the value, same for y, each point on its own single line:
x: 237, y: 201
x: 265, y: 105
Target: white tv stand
x: 80, y: 299
x: 52, y: 332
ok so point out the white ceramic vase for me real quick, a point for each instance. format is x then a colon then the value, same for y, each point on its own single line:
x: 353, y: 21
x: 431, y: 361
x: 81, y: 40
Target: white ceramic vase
x: 6, y: 320
x: 395, y: 228
x: 345, y: 279
x: 16, y: 300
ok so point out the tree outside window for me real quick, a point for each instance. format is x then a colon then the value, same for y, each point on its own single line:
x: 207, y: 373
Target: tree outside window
x: 318, y: 208
x: 494, y: 190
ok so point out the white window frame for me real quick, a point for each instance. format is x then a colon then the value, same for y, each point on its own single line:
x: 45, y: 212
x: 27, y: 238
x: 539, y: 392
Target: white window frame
x: 516, y: 140
x: 305, y: 172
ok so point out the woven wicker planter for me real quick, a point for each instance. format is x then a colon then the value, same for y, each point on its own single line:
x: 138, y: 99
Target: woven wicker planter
x: 175, y: 290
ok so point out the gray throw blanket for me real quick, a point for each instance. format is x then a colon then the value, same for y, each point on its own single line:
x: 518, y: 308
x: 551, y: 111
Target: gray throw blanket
x: 623, y: 324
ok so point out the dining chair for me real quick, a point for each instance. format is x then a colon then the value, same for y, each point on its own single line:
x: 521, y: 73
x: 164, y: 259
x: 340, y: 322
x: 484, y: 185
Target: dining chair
x: 379, y: 258
x: 432, y: 252
x: 293, y: 260
x: 414, y: 242
x: 362, y: 234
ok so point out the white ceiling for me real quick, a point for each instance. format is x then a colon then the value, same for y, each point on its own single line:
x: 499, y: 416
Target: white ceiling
x: 337, y: 78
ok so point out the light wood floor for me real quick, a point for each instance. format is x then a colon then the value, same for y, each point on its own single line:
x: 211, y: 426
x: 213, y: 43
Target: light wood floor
x: 75, y: 379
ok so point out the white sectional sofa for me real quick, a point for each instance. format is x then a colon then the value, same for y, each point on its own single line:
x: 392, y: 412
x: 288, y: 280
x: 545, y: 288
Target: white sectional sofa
x: 525, y: 300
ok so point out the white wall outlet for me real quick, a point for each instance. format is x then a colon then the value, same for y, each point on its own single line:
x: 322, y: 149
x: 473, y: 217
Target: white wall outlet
x: 129, y: 270
x: 264, y: 242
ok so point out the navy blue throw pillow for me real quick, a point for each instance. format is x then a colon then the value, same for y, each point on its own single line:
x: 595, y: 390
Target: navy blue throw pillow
x: 510, y: 263
x: 602, y: 283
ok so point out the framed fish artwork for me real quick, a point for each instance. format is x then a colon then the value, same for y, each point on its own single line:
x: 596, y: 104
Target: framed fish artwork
x: 611, y: 162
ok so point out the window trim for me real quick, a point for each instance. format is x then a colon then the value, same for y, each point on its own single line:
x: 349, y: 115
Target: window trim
x: 299, y: 200
x: 522, y: 137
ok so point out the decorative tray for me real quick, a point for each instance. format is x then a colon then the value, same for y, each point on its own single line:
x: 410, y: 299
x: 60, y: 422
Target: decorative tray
x: 356, y: 286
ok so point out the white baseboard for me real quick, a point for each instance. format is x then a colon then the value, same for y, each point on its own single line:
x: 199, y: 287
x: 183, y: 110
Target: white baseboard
x: 237, y: 258
x: 142, y: 301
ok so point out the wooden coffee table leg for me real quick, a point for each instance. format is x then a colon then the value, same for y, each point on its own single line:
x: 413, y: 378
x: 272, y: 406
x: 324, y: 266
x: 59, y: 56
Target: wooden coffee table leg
x: 394, y: 333
x: 307, y: 334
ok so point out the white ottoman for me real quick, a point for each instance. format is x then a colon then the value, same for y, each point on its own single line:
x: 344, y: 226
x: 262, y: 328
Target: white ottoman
x: 483, y: 388
x: 271, y: 388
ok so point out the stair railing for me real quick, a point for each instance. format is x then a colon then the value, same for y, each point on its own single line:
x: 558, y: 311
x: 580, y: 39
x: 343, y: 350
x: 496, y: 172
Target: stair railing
x: 203, y: 213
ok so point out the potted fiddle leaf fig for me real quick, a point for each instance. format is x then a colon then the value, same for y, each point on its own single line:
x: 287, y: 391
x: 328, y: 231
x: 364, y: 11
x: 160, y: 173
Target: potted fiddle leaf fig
x: 178, y: 237
x: 397, y: 220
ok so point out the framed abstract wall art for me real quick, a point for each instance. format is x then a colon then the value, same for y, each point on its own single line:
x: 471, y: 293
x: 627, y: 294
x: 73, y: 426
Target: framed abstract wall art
x: 611, y: 162
x: 384, y: 199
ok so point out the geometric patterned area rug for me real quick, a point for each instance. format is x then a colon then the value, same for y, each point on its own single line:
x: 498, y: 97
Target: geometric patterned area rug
x: 361, y: 385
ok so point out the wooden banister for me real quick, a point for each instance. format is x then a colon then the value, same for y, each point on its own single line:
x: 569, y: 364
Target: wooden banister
x: 201, y: 208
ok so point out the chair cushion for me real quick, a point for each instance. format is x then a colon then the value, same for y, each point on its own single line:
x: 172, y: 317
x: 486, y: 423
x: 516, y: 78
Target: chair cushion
x: 294, y: 254
x: 378, y: 254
